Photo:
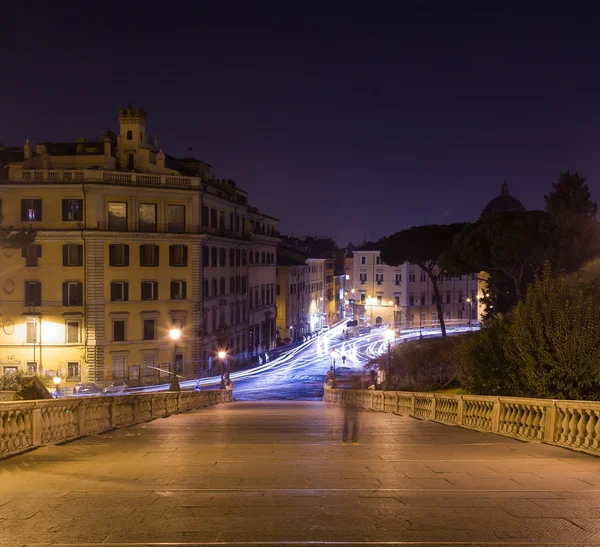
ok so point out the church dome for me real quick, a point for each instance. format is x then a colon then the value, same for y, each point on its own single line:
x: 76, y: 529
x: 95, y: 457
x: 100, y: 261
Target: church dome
x: 502, y: 204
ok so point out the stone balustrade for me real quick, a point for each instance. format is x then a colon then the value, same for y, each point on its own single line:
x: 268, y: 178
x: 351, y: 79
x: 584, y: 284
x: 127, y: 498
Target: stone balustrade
x: 27, y: 424
x: 570, y: 424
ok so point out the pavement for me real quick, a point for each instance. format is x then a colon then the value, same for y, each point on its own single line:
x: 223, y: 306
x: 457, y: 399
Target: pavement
x: 277, y: 473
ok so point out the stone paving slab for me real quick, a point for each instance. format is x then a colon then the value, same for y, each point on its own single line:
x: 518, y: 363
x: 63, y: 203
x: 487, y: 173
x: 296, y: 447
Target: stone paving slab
x: 278, y: 474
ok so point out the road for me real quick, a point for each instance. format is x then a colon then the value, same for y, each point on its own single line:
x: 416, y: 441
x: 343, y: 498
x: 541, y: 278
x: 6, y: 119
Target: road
x: 299, y: 373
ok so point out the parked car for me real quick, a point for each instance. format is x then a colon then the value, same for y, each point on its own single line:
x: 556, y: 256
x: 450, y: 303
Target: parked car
x: 325, y: 328
x: 286, y: 341
x: 87, y: 389
x: 116, y: 387
x: 353, y: 323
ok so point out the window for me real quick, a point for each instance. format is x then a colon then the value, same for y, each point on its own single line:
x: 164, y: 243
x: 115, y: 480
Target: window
x: 213, y: 218
x: 422, y: 301
x: 149, y: 330
x: 32, y: 368
x: 244, y: 257
x: 423, y: 276
x: 73, y: 329
x: 232, y: 258
x: 378, y: 260
x: 205, y: 256
x: 379, y: 300
x: 448, y: 297
x: 118, y: 366
x: 31, y: 331
x: 411, y: 277
x: 147, y: 217
x: 398, y: 278
x: 397, y: 300
x: 31, y: 210
x: 215, y: 287
x: 244, y: 284
x: 118, y: 255
x: 179, y: 363
x: 176, y: 218
x: 205, y: 290
x: 119, y: 330
x: 363, y: 297
x: 130, y: 161
x: 119, y: 291
x: 72, y: 209
x: 213, y: 257
x: 72, y: 293
x: 223, y: 257
x: 278, y: 290
x: 237, y: 223
x: 72, y: 255
x: 411, y: 300
x: 459, y: 314
x: 232, y: 284
x: 178, y: 255
x: 149, y: 290
x: 148, y: 255
x: 33, y: 293
x: 31, y: 254
x: 460, y: 297
x: 117, y: 216
x: 129, y: 135
x: 379, y: 278
x: 149, y: 363
x: 204, y: 215
x: 178, y: 290
x: 363, y: 278
x: 448, y: 316
x: 73, y: 370
x: 222, y: 285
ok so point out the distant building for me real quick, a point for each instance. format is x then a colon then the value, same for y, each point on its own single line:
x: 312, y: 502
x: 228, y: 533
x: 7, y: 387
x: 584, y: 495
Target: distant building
x: 293, y: 300
x: 502, y: 204
x: 403, y: 295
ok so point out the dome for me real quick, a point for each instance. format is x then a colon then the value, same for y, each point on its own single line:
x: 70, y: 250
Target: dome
x: 502, y: 204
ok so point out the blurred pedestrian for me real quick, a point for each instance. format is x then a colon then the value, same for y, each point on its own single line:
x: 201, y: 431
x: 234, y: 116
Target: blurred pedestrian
x: 351, y: 420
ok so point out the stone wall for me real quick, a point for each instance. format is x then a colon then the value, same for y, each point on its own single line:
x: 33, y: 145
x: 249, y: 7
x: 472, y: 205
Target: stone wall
x: 570, y: 424
x: 27, y: 424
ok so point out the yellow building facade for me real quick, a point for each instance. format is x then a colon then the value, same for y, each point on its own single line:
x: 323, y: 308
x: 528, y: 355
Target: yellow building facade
x: 130, y: 244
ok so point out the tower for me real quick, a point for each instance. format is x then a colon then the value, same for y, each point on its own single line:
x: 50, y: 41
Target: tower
x: 132, y: 136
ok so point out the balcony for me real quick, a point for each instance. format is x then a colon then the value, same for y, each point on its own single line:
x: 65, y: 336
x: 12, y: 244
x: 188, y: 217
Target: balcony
x: 167, y: 228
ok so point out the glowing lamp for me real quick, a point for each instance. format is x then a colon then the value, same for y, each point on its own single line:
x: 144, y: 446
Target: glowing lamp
x: 56, y: 380
x: 175, y: 334
x: 389, y: 335
x: 222, y: 355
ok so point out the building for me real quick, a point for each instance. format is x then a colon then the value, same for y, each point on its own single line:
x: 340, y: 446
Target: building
x: 131, y: 243
x: 502, y: 204
x: 403, y: 295
x: 316, y: 283
x: 292, y: 297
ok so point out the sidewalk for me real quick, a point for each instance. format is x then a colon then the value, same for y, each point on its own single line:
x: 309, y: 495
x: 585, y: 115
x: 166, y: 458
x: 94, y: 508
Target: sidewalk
x: 277, y: 472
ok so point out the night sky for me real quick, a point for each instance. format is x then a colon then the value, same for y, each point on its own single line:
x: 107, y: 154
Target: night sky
x: 347, y: 125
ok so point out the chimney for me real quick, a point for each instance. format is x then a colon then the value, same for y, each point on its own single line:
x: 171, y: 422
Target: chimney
x: 27, y: 149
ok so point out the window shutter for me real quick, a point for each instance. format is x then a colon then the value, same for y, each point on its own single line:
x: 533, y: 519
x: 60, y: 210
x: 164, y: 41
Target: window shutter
x: 65, y: 255
x: 39, y: 251
x: 111, y: 255
x: 171, y: 254
x: 24, y: 209
x: 183, y: 290
x: 126, y: 254
x: 65, y: 209
x: 126, y: 291
x: 80, y: 255
x: 185, y: 255
x: 155, y: 290
x: 65, y: 286
x: 38, y: 294
x: 156, y: 261
x: 144, y: 290
x: 79, y: 294
x: 38, y: 209
x: 173, y: 290
x: 142, y: 254
x: 112, y: 291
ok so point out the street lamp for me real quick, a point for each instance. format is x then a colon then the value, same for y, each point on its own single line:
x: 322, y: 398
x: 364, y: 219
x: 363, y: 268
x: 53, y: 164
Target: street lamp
x: 390, y: 335
x: 175, y: 334
x: 333, y: 356
x: 56, y: 381
x: 468, y: 300
x: 221, y: 355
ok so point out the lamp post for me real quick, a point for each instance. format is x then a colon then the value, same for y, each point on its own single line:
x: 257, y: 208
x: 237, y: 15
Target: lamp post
x: 221, y: 355
x: 333, y: 356
x: 56, y: 381
x: 389, y: 336
x: 175, y: 334
x: 468, y: 300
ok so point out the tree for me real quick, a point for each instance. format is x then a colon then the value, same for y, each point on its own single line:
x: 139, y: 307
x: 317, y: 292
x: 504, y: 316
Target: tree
x: 511, y: 246
x: 422, y: 246
x: 574, y: 233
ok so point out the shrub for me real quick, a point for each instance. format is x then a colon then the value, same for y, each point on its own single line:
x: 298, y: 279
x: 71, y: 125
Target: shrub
x: 554, y: 340
x: 11, y: 382
x: 485, y: 369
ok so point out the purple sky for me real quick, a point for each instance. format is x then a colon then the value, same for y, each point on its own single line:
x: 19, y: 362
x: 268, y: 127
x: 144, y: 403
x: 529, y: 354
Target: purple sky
x: 341, y: 126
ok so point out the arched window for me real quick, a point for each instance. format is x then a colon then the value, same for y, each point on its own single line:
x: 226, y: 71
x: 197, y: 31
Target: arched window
x: 130, y: 135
